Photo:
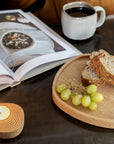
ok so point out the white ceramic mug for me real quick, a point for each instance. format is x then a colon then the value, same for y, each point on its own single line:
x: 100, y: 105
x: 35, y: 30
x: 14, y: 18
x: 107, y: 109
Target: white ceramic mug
x: 80, y: 28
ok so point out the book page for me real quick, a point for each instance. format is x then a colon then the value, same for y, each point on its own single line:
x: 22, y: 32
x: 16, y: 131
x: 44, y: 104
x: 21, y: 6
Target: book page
x: 26, y: 43
x: 28, y: 66
x: 6, y: 80
x: 6, y: 75
x: 3, y: 71
x: 15, y: 56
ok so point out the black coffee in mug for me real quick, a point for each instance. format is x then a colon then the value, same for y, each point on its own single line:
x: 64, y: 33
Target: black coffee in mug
x: 83, y: 21
x: 79, y: 11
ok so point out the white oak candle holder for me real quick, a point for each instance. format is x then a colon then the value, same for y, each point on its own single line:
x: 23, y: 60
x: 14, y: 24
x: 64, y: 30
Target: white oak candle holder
x: 11, y: 120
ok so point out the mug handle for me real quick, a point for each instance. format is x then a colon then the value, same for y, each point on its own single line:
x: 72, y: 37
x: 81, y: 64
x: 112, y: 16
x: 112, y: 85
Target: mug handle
x: 102, y: 15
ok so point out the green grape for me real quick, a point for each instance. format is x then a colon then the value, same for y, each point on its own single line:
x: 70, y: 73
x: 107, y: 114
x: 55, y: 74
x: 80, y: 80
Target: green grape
x: 73, y: 94
x: 93, y: 106
x: 97, y: 97
x: 60, y: 87
x: 86, y: 100
x: 76, y: 100
x: 91, y: 89
x: 65, y: 94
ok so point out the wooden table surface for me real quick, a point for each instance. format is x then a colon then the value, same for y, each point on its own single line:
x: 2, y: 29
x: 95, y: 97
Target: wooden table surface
x: 45, y: 123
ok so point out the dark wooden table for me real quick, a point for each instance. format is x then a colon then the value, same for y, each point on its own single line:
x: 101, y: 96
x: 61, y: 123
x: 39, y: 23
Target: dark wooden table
x: 45, y: 123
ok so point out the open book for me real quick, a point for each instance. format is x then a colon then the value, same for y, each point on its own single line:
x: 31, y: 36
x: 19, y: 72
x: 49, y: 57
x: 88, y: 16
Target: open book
x: 28, y: 47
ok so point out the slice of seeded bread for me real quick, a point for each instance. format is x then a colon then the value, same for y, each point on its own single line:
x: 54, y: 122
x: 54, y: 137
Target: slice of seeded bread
x: 103, y: 64
x: 89, y: 76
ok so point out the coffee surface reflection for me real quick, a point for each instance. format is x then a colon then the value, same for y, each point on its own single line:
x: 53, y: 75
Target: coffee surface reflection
x: 79, y: 11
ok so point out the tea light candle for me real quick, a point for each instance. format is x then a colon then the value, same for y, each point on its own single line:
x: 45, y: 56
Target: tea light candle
x: 4, y: 112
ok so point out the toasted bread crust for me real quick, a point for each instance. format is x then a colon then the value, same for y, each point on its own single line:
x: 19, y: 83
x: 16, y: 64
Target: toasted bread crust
x: 101, y: 70
x: 89, y: 76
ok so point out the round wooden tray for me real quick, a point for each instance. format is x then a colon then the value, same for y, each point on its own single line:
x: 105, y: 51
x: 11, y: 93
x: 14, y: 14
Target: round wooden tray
x: 71, y: 71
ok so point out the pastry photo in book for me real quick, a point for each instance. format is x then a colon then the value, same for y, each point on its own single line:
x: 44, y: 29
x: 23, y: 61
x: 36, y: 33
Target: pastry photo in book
x: 26, y: 44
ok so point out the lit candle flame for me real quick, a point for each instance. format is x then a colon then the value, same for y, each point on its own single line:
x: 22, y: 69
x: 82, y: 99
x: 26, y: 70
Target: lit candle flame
x: 4, y: 112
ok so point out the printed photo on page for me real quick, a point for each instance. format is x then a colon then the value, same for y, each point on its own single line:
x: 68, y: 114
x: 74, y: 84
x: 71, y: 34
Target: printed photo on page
x: 21, y: 41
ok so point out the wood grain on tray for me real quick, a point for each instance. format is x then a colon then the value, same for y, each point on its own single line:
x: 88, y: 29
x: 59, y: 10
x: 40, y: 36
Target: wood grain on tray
x: 104, y: 115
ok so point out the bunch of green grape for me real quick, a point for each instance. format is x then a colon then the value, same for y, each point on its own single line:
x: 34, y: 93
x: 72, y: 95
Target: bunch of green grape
x: 89, y: 98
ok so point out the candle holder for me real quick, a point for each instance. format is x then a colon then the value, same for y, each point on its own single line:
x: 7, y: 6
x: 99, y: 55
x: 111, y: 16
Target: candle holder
x: 11, y: 120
